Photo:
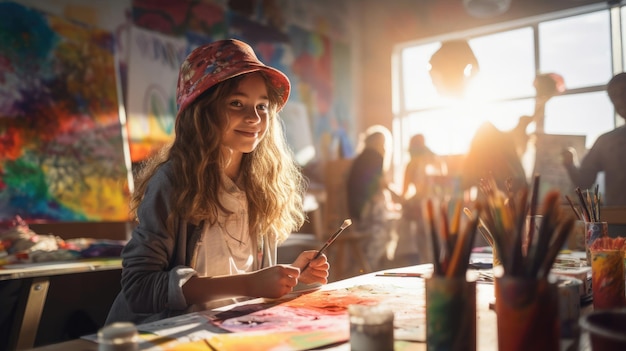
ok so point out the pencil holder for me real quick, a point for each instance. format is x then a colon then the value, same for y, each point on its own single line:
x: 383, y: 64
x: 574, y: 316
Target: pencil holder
x: 450, y: 314
x: 527, y: 311
x: 593, y: 231
x: 607, y: 279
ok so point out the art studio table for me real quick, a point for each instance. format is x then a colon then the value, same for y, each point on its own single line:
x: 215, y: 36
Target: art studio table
x: 253, y: 326
x: 35, y: 281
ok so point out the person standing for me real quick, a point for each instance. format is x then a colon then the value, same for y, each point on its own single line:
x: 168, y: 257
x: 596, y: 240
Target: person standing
x: 371, y: 201
x: 413, y: 243
x: 606, y: 155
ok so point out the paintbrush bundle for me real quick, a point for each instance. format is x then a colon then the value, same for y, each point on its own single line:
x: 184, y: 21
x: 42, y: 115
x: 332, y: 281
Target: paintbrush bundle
x: 588, y: 209
x: 524, y: 250
x: 609, y: 244
x: 451, y: 241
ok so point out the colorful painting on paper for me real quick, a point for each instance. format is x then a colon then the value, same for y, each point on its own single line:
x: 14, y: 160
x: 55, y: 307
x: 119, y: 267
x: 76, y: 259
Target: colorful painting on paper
x: 276, y: 341
x: 316, y: 319
x: 61, y: 146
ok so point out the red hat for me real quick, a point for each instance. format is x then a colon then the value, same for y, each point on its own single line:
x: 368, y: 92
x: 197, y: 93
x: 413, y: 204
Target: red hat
x: 216, y: 62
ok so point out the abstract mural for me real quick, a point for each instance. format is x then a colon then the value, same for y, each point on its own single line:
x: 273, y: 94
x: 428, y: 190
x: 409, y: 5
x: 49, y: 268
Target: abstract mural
x: 62, y: 148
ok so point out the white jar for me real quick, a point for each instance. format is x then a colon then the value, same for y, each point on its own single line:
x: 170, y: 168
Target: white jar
x: 120, y: 336
x: 371, y: 328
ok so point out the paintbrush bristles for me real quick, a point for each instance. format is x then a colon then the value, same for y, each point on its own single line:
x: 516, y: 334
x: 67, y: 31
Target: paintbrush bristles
x: 589, y: 205
x: 346, y: 223
x: 452, y: 245
x: 504, y: 218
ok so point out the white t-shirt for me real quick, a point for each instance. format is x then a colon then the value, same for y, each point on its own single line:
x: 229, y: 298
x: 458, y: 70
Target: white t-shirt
x: 226, y: 247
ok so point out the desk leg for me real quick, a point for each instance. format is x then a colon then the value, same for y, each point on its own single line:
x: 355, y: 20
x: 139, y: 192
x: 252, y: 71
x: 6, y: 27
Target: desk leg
x: 32, y: 313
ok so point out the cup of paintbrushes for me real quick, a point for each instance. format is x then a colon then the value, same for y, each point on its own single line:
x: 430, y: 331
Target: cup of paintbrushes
x: 527, y: 312
x: 450, y: 297
x: 593, y: 231
x: 450, y: 313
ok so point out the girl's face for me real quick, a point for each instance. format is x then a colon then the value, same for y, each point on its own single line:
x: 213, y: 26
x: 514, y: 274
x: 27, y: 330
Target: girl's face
x: 248, y: 113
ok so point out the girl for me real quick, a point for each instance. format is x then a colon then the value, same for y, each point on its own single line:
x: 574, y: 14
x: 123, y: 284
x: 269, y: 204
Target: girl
x: 213, y: 206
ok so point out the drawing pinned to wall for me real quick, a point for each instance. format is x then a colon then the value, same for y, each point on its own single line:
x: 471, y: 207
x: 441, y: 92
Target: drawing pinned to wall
x: 61, y: 146
x: 151, y: 101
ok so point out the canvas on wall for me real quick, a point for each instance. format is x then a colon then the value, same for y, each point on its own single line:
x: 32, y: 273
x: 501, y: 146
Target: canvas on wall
x: 61, y: 144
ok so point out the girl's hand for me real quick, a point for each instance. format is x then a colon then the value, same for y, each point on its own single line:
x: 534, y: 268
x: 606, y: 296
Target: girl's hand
x: 273, y: 282
x: 316, y: 272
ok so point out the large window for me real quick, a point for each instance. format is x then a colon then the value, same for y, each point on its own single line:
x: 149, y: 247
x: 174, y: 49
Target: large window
x: 576, y: 45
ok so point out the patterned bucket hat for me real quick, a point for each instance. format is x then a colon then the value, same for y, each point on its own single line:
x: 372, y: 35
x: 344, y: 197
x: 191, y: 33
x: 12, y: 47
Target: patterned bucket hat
x: 216, y: 62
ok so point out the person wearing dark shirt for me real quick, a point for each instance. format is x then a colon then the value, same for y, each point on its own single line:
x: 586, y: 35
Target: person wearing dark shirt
x: 605, y: 155
x: 370, y: 201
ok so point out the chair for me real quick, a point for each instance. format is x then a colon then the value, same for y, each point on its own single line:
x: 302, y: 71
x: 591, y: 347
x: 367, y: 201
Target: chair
x: 335, y: 212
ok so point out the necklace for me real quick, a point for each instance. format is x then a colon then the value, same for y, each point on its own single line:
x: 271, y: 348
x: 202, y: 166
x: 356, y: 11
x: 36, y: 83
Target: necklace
x: 224, y: 229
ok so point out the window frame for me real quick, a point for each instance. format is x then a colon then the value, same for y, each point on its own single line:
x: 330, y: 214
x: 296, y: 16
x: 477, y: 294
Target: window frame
x: 617, y: 27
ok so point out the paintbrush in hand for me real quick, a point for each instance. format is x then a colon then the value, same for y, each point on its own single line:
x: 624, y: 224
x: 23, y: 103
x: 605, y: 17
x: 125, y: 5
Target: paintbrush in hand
x: 346, y: 223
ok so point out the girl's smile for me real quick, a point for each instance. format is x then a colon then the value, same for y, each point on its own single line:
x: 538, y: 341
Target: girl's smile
x: 248, y: 115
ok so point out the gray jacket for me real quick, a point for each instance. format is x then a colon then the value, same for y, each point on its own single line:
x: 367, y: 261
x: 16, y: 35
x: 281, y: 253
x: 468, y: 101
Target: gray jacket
x: 156, y: 263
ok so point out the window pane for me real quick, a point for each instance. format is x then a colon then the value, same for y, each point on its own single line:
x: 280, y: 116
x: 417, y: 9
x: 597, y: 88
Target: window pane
x: 449, y: 131
x: 578, y: 48
x: 419, y: 91
x: 589, y: 114
x: 507, y: 64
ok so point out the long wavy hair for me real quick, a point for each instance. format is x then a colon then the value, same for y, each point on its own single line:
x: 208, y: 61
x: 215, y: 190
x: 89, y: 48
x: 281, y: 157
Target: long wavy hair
x: 272, y: 180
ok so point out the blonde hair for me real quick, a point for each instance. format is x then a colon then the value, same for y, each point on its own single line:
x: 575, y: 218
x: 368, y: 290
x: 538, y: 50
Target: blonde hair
x: 272, y: 180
